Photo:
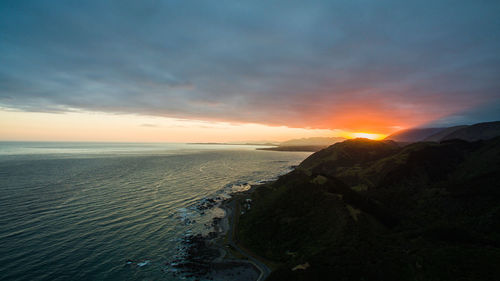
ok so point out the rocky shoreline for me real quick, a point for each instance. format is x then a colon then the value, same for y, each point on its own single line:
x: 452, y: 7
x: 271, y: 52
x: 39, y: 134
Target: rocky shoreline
x: 208, y: 257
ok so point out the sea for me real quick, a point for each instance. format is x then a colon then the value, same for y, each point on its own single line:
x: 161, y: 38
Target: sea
x: 80, y: 211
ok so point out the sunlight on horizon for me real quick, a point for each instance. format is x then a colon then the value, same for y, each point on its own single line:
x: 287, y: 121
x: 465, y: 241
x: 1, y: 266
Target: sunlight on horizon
x: 93, y: 126
x: 372, y: 136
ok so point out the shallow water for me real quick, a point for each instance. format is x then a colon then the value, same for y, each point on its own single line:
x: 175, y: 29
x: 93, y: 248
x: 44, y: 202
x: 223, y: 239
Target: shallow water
x: 71, y: 211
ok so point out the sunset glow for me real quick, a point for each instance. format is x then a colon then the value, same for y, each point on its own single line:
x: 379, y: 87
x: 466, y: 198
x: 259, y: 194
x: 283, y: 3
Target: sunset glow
x: 371, y: 136
x: 159, y: 71
x: 102, y: 127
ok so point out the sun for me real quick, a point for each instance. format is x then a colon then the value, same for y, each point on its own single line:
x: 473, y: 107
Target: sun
x: 371, y: 136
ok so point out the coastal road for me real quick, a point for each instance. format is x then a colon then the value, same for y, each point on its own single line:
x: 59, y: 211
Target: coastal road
x: 264, y: 269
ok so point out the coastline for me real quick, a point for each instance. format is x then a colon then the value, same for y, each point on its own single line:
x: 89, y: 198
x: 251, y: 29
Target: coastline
x: 229, y: 222
x: 217, y: 256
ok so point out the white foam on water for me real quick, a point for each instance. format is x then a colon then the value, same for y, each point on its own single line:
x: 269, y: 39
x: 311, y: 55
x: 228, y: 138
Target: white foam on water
x: 144, y: 263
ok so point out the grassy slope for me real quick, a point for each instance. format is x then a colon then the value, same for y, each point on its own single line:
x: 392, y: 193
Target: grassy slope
x: 368, y: 210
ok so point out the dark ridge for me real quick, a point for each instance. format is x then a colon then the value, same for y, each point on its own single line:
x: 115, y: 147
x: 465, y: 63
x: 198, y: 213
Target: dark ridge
x: 481, y: 131
x: 373, y: 210
x: 414, y: 135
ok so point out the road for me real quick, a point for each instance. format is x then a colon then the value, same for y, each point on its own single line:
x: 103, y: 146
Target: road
x: 264, y: 269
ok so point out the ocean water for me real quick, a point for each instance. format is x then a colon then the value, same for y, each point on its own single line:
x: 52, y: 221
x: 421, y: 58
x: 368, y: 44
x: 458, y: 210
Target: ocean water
x: 78, y: 211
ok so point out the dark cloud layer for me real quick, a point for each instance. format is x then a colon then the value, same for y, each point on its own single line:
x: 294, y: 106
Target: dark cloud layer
x: 299, y: 63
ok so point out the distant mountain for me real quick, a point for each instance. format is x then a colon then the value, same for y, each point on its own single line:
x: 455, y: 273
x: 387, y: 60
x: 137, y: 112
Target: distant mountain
x: 480, y: 131
x: 263, y: 142
x: 316, y: 141
x: 439, y: 136
x: 414, y: 135
x: 305, y: 144
x: 296, y: 148
x: 373, y: 210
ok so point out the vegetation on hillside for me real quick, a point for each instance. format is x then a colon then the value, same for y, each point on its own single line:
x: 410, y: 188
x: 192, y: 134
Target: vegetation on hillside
x: 372, y: 210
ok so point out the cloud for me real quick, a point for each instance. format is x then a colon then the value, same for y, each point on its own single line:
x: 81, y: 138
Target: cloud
x: 147, y: 125
x: 320, y: 64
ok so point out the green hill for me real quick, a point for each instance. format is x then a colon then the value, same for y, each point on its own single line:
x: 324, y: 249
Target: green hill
x: 372, y: 210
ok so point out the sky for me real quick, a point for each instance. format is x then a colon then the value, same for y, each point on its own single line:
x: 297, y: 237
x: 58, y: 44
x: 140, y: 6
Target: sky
x: 244, y: 70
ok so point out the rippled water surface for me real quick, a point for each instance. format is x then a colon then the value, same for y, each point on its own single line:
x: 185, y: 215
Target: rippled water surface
x: 78, y: 211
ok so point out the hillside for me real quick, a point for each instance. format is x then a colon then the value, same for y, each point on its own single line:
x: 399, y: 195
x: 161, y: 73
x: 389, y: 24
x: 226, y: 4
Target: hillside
x: 480, y: 131
x: 372, y: 210
x: 439, y: 136
x: 414, y: 135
